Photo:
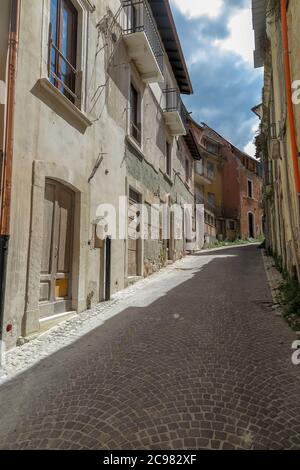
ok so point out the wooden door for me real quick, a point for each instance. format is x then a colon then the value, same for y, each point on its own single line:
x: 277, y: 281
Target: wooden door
x: 133, y: 234
x: 56, y: 262
x: 251, y: 225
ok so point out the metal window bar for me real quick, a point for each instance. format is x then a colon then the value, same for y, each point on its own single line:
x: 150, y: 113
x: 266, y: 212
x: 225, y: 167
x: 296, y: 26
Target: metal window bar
x: 75, y: 94
x: 137, y: 17
x: 173, y: 102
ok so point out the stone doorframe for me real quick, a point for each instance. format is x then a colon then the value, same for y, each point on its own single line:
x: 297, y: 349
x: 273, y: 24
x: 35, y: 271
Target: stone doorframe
x: 139, y: 188
x: 71, y: 179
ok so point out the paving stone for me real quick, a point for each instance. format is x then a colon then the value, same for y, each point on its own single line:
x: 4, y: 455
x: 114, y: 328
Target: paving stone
x: 131, y: 376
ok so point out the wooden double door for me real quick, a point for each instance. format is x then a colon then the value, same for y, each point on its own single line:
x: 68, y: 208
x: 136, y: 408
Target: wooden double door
x: 57, y: 252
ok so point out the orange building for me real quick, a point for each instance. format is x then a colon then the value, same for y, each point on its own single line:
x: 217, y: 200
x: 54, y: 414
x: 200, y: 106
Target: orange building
x: 228, y: 182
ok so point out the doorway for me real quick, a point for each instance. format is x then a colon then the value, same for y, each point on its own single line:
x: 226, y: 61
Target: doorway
x: 251, y: 229
x: 133, y: 234
x: 56, y: 262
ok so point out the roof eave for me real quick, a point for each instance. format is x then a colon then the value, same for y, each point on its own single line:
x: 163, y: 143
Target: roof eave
x: 181, y: 74
x: 259, y: 26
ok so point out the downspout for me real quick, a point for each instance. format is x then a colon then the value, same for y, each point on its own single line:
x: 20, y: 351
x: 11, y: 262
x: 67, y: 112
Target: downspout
x: 6, y: 176
x: 288, y: 86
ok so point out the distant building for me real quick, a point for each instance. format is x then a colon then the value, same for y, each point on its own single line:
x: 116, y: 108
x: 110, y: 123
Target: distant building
x: 228, y: 182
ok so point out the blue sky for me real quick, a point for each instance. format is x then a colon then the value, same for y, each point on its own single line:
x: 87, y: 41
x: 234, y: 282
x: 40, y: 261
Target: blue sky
x: 217, y: 39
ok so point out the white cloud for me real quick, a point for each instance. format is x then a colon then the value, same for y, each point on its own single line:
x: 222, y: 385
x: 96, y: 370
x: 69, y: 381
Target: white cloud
x: 250, y: 148
x: 200, y: 55
x: 241, y: 39
x: 195, y: 8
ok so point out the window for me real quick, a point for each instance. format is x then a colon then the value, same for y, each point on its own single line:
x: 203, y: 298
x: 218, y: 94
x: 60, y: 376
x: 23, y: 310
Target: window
x: 135, y: 112
x: 168, y: 159
x: 210, y: 170
x: 231, y: 225
x: 63, y: 48
x: 211, y: 199
x: 212, y: 147
x: 250, y: 188
x: 135, y: 15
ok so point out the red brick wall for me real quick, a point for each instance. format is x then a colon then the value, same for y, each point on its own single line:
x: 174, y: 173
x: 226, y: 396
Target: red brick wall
x: 237, y: 169
x: 231, y: 185
x: 253, y: 205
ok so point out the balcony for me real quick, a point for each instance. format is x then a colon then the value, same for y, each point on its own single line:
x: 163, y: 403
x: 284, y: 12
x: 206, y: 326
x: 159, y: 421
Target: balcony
x: 174, y: 112
x: 202, y: 173
x: 142, y: 39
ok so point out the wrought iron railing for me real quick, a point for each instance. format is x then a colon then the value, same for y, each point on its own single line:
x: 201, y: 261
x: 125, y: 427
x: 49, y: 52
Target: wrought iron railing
x: 137, y: 17
x: 63, y: 74
x: 173, y: 102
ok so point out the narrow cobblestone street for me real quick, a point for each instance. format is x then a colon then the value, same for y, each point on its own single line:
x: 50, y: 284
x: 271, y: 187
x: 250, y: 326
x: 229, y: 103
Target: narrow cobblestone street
x: 197, y: 359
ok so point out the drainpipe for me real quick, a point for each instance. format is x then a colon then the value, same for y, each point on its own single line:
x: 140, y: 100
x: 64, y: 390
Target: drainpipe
x: 288, y: 86
x: 6, y: 176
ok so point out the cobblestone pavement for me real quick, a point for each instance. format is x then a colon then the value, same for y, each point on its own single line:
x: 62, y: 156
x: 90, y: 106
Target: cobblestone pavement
x: 197, y: 359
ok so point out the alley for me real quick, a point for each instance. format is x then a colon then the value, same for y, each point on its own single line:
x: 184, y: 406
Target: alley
x: 196, y: 360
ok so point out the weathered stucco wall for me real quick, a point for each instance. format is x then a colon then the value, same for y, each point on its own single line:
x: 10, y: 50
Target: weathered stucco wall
x: 44, y: 133
x: 86, y: 151
x: 281, y: 200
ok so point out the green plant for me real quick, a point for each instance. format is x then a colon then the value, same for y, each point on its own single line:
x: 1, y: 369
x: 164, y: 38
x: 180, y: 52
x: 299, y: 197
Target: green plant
x: 290, y: 297
x: 237, y: 242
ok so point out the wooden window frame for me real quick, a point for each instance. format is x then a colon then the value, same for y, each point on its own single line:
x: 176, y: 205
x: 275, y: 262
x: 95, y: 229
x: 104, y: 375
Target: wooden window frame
x: 57, y: 42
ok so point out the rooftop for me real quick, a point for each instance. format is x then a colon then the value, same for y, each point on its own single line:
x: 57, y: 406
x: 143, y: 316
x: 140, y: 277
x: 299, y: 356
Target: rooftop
x: 165, y: 22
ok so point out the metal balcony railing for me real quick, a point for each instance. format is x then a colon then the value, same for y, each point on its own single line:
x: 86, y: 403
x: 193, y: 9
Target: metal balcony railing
x: 137, y: 17
x: 173, y: 102
x: 63, y: 74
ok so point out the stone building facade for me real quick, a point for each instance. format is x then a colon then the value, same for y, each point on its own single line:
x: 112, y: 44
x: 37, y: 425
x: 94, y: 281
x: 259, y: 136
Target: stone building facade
x: 276, y: 49
x: 98, y: 116
x: 208, y: 180
x: 229, y: 184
